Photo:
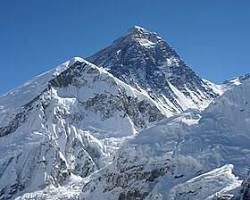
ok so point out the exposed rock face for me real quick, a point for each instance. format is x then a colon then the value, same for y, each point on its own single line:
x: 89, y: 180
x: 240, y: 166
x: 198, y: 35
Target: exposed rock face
x: 187, y: 152
x: 64, y: 131
x: 144, y: 60
x: 245, y: 192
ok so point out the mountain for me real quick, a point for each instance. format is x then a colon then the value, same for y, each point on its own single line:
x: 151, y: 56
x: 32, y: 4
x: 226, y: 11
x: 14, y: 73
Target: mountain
x: 66, y: 122
x: 236, y: 81
x: 196, y: 155
x: 132, y: 122
x: 145, y: 61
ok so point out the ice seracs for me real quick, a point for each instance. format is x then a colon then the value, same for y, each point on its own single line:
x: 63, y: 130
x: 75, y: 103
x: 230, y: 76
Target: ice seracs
x: 180, y: 160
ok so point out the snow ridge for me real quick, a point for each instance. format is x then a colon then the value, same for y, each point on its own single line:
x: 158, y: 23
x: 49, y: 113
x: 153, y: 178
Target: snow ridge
x: 72, y: 128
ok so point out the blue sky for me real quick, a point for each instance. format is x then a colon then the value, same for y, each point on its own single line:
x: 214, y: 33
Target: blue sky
x: 212, y: 36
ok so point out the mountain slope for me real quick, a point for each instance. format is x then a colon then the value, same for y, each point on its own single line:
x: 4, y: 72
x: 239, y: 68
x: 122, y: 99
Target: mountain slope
x: 144, y: 60
x: 172, y: 160
x: 67, y: 122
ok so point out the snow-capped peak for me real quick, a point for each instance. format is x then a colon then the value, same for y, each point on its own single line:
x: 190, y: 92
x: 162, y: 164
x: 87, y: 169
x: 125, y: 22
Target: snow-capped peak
x: 30, y: 89
x: 67, y: 122
x: 140, y: 30
x: 237, y: 80
x: 145, y: 61
x: 137, y: 28
x: 143, y: 37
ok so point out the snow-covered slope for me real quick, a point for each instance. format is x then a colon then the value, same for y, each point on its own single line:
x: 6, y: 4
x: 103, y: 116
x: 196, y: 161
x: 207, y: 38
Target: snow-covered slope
x: 66, y: 122
x: 190, y: 156
x: 145, y: 61
x: 229, y: 84
x: 17, y: 98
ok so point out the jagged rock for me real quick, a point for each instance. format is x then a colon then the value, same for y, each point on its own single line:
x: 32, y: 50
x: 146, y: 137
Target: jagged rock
x: 144, y: 60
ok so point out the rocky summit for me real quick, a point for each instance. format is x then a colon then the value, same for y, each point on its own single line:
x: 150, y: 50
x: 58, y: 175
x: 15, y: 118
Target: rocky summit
x: 145, y: 61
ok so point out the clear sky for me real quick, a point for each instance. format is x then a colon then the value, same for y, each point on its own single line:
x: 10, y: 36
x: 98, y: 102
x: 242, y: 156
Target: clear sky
x: 212, y: 36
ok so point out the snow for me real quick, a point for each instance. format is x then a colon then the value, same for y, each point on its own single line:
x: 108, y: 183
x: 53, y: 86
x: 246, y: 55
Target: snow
x: 219, y: 89
x: 186, y: 140
x: 205, y: 151
x: 15, y: 99
x: 172, y: 62
x: 145, y: 54
x: 137, y: 28
x: 181, y: 98
x: 146, y: 43
x: 206, y: 186
x: 64, y: 133
x: 236, y: 81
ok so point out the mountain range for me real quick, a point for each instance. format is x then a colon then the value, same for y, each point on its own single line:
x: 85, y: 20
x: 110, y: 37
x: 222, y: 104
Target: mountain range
x: 132, y: 121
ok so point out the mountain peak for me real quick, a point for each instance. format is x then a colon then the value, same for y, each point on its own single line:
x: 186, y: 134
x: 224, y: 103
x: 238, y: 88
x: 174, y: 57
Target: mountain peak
x: 139, y: 33
x: 138, y: 29
x: 144, y: 60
